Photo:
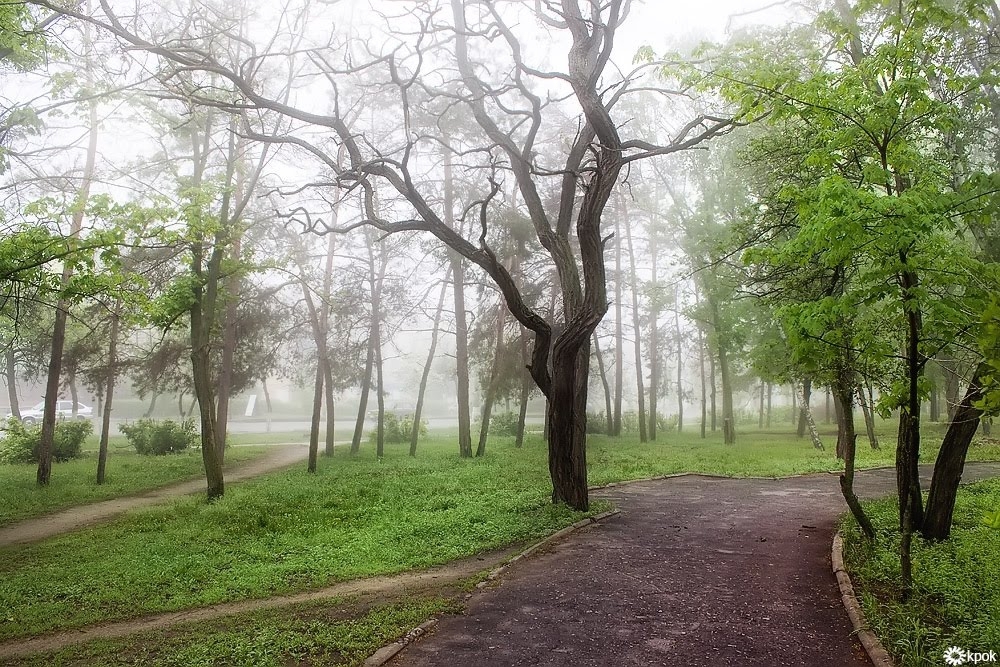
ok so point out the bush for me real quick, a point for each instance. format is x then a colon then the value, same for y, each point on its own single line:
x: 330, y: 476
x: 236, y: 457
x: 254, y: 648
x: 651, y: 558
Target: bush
x: 158, y: 438
x: 22, y: 442
x: 504, y: 423
x: 397, y: 429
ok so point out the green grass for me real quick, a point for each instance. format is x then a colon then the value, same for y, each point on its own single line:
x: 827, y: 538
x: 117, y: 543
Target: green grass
x: 72, y: 482
x: 286, y: 532
x: 956, y: 600
x: 331, y: 632
x: 357, y: 517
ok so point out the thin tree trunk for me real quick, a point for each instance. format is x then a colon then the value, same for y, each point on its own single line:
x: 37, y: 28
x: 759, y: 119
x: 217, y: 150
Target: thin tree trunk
x: 44, y: 471
x: 760, y: 413
x: 418, y: 410
x: 704, y: 388
x: 525, y: 391
x: 770, y: 393
x: 15, y: 407
x: 233, y: 186
x: 866, y: 408
x: 267, y: 402
x: 609, y: 416
x: 728, y: 417
x: 713, y: 387
x: 331, y: 422
x: 366, y: 382
x: 827, y: 412
x: 317, y: 414
x: 637, y: 335
x: 619, y: 333
x: 804, y: 407
x: 377, y: 336
x: 152, y: 406
x: 109, y: 392
x: 908, y: 443
x: 680, y: 363
x: 654, y: 338
x: 845, y: 395
x: 462, y: 360
x: 491, y: 388
x: 806, y: 416
x: 838, y: 408
x: 951, y: 462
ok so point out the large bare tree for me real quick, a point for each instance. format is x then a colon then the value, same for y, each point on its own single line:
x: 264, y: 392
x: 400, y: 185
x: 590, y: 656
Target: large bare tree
x: 545, y: 128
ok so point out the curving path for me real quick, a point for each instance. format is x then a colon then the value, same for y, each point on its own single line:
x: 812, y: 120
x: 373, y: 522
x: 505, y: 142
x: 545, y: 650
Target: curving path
x: 695, y: 571
x: 81, y: 516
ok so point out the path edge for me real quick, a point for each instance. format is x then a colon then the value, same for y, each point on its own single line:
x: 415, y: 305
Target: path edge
x: 391, y: 650
x: 873, y: 647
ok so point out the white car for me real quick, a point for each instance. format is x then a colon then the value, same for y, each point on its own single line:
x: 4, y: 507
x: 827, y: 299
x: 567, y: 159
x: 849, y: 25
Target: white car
x: 64, y: 410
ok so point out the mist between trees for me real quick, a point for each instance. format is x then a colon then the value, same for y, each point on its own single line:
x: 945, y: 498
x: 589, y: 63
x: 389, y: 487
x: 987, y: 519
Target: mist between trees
x: 509, y: 215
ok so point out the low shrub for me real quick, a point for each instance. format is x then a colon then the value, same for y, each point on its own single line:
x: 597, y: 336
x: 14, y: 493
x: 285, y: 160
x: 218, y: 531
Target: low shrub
x: 158, y: 438
x: 21, y: 443
x: 397, y: 429
x: 504, y: 423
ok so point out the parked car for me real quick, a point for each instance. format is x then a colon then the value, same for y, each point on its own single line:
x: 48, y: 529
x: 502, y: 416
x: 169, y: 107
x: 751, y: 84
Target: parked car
x: 64, y: 410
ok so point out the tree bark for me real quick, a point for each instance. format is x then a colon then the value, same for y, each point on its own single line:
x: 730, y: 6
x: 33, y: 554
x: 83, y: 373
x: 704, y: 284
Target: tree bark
x: 44, y: 471
x: 844, y: 396
x: 951, y: 462
x: 609, y: 416
x: 525, y: 391
x: 491, y: 387
x: 760, y: 412
x: 804, y: 407
x: 654, y: 337
x: 567, y: 423
x: 842, y: 436
x: 868, y: 411
x: 267, y: 403
x: 770, y: 392
x: 109, y: 393
x: 619, y: 332
x: 637, y: 332
x: 152, y: 406
x: 713, y: 386
x: 425, y: 375
x: 366, y: 382
x: 680, y: 363
x: 806, y: 417
x: 728, y: 417
x: 317, y: 415
x: 704, y: 388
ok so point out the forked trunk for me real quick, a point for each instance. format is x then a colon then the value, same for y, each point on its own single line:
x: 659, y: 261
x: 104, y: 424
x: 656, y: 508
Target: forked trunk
x: 867, y: 409
x: 951, y: 462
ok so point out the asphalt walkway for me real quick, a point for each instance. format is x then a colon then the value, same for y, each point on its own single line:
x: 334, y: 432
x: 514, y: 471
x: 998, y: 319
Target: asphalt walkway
x: 695, y: 571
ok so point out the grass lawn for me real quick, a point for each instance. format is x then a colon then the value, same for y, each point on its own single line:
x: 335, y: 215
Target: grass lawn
x: 357, y: 517
x: 956, y: 601
x: 331, y: 632
x: 73, y: 482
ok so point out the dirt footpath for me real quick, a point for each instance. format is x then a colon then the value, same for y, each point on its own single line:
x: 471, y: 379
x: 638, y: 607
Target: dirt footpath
x: 80, y: 516
x: 695, y: 571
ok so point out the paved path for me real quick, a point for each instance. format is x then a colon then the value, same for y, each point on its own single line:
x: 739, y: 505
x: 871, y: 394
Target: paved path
x: 80, y: 516
x: 694, y: 572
